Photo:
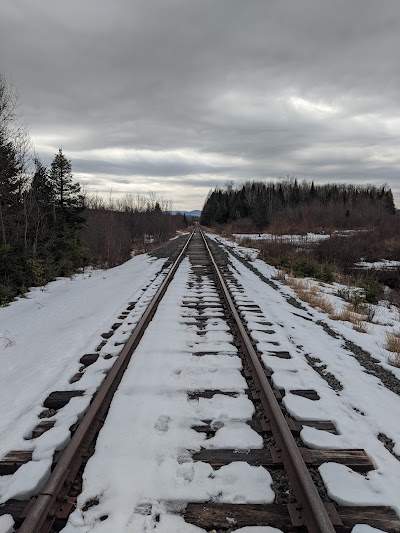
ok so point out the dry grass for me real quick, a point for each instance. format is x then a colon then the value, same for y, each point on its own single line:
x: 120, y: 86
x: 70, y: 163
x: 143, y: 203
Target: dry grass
x: 394, y: 360
x: 311, y: 294
x: 295, y: 283
x: 392, y: 344
x: 392, y: 341
x: 346, y: 314
x: 351, y: 314
x: 281, y: 276
x: 360, y: 325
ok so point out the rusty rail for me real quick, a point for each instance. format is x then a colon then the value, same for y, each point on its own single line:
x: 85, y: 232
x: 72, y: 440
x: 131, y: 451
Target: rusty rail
x: 312, y: 508
x: 43, y: 510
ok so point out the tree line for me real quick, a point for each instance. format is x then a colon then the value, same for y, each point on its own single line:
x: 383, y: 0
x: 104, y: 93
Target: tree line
x: 40, y: 209
x: 115, y: 226
x: 292, y: 204
x: 48, y: 226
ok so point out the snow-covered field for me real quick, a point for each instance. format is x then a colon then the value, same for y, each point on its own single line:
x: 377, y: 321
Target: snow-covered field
x: 294, y: 239
x: 385, y: 264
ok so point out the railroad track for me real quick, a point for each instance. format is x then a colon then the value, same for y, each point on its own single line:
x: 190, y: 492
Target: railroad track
x: 300, y: 504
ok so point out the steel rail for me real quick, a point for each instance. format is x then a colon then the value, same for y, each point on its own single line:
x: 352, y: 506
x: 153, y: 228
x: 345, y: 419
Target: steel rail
x: 43, y: 506
x: 312, y: 508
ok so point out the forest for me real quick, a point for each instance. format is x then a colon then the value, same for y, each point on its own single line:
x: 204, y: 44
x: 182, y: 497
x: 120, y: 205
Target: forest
x: 50, y: 226
x: 289, y: 206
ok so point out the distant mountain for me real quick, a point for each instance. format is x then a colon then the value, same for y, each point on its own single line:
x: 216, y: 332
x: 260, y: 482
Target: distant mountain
x: 196, y: 213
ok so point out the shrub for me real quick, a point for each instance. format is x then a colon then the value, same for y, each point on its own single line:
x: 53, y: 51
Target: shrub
x: 373, y: 290
x: 7, y: 293
x: 352, y: 295
x: 246, y: 242
x: 370, y: 311
x: 37, y: 271
x: 326, y: 274
x: 303, y: 267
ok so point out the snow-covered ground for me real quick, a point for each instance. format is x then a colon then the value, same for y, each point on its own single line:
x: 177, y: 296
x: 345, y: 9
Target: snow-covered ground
x: 294, y: 239
x: 362, y: 410
x: 386, y: 317
x: 42, y: 338
x: 151, y: 443
x: 143, y: 454
x: 384, y: 264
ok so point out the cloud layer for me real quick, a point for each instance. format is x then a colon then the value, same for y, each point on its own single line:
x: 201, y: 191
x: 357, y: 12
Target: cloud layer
x: 178, y: 96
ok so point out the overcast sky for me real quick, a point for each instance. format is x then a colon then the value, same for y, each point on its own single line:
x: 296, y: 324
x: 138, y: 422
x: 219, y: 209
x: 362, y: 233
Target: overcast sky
x: 178, y: 96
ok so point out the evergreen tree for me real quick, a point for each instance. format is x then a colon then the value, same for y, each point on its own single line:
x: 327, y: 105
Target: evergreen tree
x: 10, y: 188
x: 67, y: 250
x: 67, y: 198
x: 41, y: 186
x: 41, y: 200
x: 389, y: 202
x: 40, y: 215
x: 266, y: 202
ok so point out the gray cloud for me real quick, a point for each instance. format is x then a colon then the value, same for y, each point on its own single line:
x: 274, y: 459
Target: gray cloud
x: 209, y: 91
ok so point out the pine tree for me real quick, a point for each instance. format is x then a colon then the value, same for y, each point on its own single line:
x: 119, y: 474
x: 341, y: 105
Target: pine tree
x: 41, y: 185
x: 41, y: 199
x: 67, y: 249
x: 10, y: 188
x: 67, y: 198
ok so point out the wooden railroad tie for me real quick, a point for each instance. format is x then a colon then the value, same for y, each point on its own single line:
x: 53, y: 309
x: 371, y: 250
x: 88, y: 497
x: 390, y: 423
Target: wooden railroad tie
x: 263, y: 426
x: 355, y: 459
x: 59, y: 399
x: 224, y: 516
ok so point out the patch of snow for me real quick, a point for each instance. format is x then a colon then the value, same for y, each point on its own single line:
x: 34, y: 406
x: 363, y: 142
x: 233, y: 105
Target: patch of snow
x: 29, y: 478
x: 347, y: 487
x: 236, y: 435
x: 291, y: 238
x: 6, y: 524
x: 363, y: 528
x: 384, y: 264
x: 179, y: 235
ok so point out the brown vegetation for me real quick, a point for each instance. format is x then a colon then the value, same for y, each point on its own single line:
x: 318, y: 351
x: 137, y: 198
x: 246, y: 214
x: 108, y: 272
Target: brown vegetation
x: 392, y: 344
x: 117, y: 226
x: 335, y: 258
x: 309, y: 293
x: 356, y: 317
